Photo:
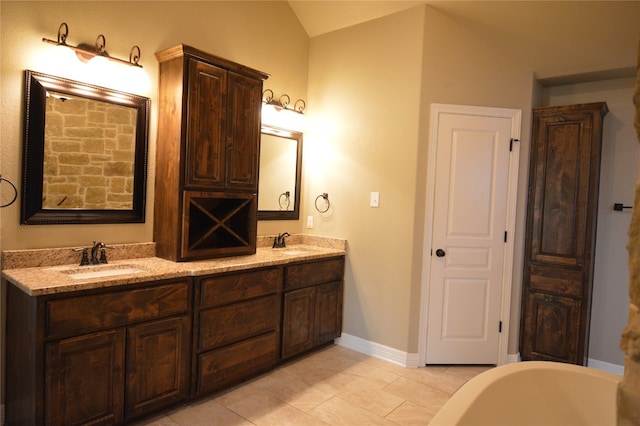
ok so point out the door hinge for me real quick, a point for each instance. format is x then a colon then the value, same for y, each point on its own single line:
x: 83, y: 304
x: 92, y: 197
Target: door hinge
x: 500, y: 327
x: 511, y: 143
x: 505, y: 236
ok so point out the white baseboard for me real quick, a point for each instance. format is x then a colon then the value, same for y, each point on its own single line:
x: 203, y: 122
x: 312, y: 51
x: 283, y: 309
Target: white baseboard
x: 606, y: 366
x: 405, y: 359
x: 511, y: 358
x: 378, y: 351
x: 410, y: 360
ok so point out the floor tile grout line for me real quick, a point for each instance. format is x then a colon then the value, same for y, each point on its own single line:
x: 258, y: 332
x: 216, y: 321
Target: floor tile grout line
x: 339, y: 368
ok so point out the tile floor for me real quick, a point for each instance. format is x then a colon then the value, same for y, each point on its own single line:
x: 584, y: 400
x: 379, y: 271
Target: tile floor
x: 332, y: 386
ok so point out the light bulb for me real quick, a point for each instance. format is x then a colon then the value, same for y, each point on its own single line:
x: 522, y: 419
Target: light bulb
x: 137, y: 80
x: 101, y: 71
x: 62, y: 61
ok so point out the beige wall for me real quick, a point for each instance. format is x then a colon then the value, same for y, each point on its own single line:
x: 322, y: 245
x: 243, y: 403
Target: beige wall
x: 239, y: 31
x: 365, y: 82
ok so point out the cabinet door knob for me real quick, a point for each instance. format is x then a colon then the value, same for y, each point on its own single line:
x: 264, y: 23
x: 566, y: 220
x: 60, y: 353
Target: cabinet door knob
x: 440, y: 253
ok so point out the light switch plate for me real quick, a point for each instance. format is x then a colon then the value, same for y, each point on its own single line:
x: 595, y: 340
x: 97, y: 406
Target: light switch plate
x: 309, y: 222
x: 375, y: 199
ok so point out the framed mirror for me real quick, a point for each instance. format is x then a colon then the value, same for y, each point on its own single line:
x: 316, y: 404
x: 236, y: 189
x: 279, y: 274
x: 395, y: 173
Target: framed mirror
x: 280, y: 174
x: 84, y: 154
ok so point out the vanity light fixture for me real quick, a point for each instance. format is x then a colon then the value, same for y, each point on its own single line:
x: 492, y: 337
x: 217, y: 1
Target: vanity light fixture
x: 86, y: 52
x: 283, y: 103
x: 279, y: 113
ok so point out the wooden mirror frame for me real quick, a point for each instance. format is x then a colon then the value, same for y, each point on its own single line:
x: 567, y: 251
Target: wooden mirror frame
x: 32, y: 212
x: 285, y: 214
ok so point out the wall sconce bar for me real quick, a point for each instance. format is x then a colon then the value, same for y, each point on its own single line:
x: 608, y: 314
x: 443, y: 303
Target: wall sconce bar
x: 278, y: 113
x: 283, y: 102
x: 87, y: 52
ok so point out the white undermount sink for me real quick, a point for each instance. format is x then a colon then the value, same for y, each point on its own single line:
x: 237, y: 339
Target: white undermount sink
x: 101, y: 271
x: 294, y: 251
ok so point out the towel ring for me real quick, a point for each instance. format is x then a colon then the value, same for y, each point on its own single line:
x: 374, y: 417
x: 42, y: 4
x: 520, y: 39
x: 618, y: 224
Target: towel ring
x: 287, y: 199
x: 326, y: 198
x: 15, y: 192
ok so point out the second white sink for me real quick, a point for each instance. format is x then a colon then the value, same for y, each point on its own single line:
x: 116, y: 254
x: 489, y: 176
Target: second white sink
x: 294, y: 251
x: 101, y: 271
x: 105, y: 273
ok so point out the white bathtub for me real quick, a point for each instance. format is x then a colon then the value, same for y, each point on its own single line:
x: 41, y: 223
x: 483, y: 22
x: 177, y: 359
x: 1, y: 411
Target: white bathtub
x: 534, y: 393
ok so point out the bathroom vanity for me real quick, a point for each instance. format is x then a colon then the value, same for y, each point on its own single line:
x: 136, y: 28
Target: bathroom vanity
x: 114, y: 348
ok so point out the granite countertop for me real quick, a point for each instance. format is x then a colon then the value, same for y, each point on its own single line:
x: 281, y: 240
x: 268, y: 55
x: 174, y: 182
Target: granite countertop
x: 44, y: 279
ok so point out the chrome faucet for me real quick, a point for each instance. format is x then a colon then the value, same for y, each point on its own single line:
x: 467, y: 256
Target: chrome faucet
x: 278, y: 242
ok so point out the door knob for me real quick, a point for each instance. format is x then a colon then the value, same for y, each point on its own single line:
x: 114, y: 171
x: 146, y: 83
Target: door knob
x: 440, y: 253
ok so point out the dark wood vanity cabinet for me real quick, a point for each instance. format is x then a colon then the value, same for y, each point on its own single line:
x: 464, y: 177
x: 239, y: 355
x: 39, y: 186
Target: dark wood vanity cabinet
x: 312, y: 309
x: 207, y: 155
x: 237, y: 321
x: 97, y: 357
x: 560, y: 232
x: 114, y: 355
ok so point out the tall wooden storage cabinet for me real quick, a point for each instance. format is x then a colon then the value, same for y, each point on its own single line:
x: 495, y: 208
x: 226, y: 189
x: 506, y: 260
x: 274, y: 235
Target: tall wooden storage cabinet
x: 207, y: 156
x: 561, y: 231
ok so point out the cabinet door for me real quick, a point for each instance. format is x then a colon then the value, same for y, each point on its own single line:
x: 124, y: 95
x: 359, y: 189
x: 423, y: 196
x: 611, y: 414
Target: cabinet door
x: 553, y: 327
x: 297, y: 321
x: 328, y: 312
x: 84, y: 382
x: 205, y: 124
x: 243, y: 132
x: 157, y: 364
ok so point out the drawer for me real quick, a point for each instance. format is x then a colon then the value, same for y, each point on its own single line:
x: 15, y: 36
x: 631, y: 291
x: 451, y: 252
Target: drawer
x: 231, y: 323
x: 82, y: 313
x: 220, y: 290
x: 313, y: 273
x: 231, y: 364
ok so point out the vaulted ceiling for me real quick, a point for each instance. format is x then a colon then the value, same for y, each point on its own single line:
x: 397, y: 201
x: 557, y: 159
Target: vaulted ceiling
x: 536, y: 31
x: 319, y: 16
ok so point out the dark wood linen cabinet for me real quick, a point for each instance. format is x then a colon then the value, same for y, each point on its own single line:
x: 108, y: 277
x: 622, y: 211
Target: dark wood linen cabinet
x: 207, y: 156
x: 561, y: 232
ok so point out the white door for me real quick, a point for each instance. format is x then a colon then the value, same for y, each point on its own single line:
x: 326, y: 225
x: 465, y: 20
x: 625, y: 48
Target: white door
x: 469, y: 234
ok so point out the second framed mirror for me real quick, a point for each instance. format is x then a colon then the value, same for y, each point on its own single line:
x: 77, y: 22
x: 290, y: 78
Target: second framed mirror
x: 280, y: 174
